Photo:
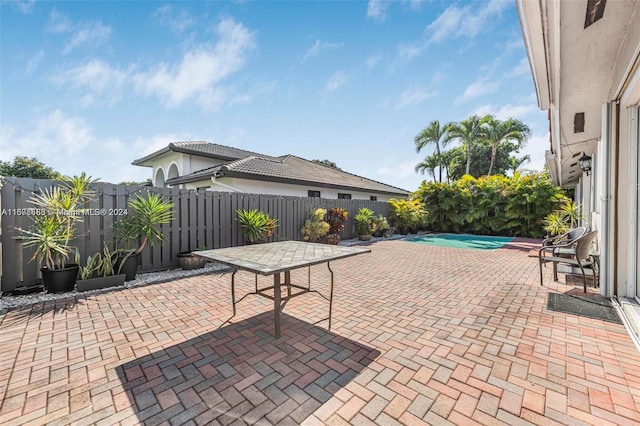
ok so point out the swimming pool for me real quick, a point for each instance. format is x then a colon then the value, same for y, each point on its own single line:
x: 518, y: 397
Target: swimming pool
x: 467, y: 241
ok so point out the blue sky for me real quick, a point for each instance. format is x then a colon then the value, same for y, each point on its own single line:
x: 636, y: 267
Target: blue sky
x: 92, y: 86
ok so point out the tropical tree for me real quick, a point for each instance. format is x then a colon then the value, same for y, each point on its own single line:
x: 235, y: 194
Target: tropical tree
x: 469, y: 133
x: 327, y: 163
x: 429, y: 165
x: 496, y: 132
x: 433, y: 134
x: 517, y: 162
x: 29, y: 168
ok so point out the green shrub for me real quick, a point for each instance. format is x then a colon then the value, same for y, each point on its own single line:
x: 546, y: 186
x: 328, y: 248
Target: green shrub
x: 494, y: 205
x: 315, y: 228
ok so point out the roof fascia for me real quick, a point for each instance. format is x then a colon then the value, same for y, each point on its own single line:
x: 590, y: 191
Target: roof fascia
x: 534, y: 27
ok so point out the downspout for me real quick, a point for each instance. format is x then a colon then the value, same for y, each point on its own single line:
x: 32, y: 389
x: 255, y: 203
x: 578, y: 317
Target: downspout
x: 224, y: 185
x: 614, y: 256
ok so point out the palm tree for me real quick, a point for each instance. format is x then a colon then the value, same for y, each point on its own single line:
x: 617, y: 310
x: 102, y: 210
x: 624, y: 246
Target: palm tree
x: 516, y: 162
x: 468, y: 132
x: 496, y: 132
x: 429, y: 165
x: 436, y: 135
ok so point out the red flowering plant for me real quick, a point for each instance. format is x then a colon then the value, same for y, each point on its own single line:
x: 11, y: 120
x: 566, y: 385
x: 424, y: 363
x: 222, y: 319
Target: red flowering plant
x: 336, y: 217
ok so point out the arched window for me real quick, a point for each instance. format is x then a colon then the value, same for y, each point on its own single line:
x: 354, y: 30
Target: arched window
x: 159, y: 181
x: 173, y: 172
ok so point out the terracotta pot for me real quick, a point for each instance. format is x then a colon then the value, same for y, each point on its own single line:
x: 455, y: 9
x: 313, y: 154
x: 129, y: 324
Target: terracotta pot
x: 189, y: 260
x: 332, y: 239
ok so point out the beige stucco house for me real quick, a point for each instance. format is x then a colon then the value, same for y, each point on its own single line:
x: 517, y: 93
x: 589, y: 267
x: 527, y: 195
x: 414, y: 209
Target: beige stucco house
x: 585, y: 61
x: 197, y: 165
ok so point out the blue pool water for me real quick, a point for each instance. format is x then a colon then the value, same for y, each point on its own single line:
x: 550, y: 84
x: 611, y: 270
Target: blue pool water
x: 477, y: 242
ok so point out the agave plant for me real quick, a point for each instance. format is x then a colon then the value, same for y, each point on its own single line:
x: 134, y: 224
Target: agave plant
x: 256, y: 224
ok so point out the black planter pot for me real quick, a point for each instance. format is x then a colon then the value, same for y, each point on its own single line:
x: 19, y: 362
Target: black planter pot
x: 364, y: 237
x: 101, y: 282
x: 130, y: 267
x: 60, y: 280
x: 188, y: 260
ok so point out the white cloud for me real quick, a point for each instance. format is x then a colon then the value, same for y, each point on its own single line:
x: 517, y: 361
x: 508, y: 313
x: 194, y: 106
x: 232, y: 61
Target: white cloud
x: 25, y: 6
x: 70, y: 146
x: 196, y: 77
x: 483, y: 86
x: 519, y: 111
x: 415, y: 4
x: 318, y: 47
x: 373, y: 60
x: 466, y: 21
x: 535, y: 148
x: 94, y: 33
x: 35, y: 60
x: 336, y: 81
x: 377, y: 10
x: 455, y: 22
x: 177, y: 21
x: 103, y: 84
x: 201, y: 70
x: 59, y: 23
x: 402, y: 170
x: 52, y: 139
x: 84, y: 33
x: 522, y: 68
x: 413, y: 96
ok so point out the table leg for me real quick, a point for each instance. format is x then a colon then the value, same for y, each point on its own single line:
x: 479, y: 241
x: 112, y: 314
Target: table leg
x: 276, y: 303
x: 330, y: 296
x: 287, y: 282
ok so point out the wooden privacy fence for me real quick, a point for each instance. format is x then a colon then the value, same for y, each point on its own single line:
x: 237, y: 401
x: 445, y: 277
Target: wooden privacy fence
x: 200, y: 219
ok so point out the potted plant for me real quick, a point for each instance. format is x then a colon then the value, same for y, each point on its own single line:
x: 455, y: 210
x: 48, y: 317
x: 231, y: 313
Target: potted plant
x: 406, y: 214
x: 315, y: 228
x: 381, y: 225
x: 365, y: 225
x: 58, y: 209
x: 143, y: 225
x: 336, y: 218
x: 188, y: 260
x: 99, y: 271
x: 256, y: 225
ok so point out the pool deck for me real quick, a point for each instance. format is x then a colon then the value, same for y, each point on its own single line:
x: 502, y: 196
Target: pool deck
x: 421, y: 335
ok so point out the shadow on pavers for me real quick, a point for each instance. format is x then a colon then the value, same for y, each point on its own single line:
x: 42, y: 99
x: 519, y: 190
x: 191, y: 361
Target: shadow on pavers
x: 242, y: 372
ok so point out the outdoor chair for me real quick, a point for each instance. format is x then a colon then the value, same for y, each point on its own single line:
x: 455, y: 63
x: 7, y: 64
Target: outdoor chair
x: 566, y: 238
x: 578, y: 253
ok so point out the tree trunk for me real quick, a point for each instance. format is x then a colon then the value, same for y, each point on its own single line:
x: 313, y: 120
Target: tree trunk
x: 494, y: 149
x: 468, y: 158
x: 439, y: 162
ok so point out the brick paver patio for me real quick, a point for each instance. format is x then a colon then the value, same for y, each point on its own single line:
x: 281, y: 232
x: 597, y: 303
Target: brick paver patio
x: 420, y: 335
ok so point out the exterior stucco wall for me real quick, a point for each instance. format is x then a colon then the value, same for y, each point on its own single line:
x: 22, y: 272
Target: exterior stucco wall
x: 164, y: 162
x: 273, y: 188
x: 627, y: 52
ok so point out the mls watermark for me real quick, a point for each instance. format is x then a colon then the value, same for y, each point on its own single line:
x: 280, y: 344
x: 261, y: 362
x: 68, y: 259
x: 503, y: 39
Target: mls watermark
x: 30, y: 211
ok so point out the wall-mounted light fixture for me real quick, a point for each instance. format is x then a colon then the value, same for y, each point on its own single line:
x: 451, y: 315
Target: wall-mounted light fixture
x: 585, y: 163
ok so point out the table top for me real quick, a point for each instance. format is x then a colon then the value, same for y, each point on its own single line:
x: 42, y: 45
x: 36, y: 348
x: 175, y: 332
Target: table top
x: 272, y: 258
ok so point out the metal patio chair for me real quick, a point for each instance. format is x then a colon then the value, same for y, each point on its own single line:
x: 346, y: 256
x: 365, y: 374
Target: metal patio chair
x: 578, y: 253
x: 565, y: 239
